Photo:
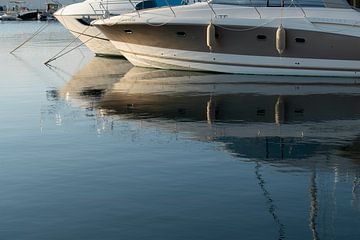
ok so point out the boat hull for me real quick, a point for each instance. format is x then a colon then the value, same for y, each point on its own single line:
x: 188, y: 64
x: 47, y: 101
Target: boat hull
x: 240, y: 64
x: 237, y: 49
x: 96, y: 41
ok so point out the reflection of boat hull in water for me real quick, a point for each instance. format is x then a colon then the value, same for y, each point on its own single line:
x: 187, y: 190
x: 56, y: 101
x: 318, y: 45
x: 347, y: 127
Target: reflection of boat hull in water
x: 243, y: 117
x: 94, y: 79
x: 200, y: 82
x: 250, y: 120
x: 219, y: 98
x: 291, y: 133
x: 242, y: 98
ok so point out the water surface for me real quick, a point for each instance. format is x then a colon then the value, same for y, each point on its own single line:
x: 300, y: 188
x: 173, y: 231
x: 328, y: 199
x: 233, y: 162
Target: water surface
x: 93, y: 148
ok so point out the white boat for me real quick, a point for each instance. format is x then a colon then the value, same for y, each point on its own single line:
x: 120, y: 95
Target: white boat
x: 9, y: 17
x: 305, y: 37
x: 50, y: 8
x: 77, y: 18
x: 29, y: 15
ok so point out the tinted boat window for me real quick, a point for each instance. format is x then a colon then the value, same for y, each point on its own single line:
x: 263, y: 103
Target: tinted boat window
x: 85, y: 20
x: 261, y: 37
x: 300, y: 40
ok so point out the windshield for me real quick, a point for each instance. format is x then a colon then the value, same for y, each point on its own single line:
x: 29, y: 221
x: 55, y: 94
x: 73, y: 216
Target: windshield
x: 278, y: 3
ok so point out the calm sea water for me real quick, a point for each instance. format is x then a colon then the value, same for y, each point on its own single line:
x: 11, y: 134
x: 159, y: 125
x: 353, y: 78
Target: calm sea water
x: 93, y: 148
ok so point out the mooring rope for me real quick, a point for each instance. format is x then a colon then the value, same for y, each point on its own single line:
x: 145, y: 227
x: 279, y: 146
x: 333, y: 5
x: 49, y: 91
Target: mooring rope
x: 72, y: 49
x: 39, y: 30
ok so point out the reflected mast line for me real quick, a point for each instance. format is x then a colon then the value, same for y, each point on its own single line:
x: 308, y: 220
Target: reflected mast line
x: 270, y: 202
x: 313, y: 213
x: 354, y: 191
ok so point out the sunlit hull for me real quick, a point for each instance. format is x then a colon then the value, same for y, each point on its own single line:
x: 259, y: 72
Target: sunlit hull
x: 77, y: 18
x: 242, y: 64
x: 245, y: 42
x: 96, y: 41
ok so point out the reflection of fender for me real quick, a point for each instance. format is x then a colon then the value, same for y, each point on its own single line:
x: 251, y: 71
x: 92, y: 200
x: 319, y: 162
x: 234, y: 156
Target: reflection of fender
x: 279, y: 111
x: 211, y: 111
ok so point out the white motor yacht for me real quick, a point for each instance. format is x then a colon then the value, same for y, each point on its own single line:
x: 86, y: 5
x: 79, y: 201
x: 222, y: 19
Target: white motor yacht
x: 299, y: 37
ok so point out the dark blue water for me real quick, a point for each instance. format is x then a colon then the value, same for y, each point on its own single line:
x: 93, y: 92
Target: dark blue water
x: 92, y: 148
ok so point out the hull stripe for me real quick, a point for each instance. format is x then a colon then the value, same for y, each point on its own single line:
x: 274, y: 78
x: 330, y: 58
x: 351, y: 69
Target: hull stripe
x: 247, y: 65
x: 87, y: 35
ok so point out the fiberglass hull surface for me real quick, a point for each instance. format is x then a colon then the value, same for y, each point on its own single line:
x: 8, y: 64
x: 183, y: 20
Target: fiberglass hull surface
x: 313, y: 47
x: 96, y: 41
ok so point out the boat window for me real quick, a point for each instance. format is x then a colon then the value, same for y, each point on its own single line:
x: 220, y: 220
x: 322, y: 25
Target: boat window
x: 287, y: 3
x: 181, y: 34
x: 146, y: 4
x: 261, y: 37
x: 260, y: 112
x: 300, y: 40
x: 128, y: 31
x: 85, y: 20
x: 157, y: 3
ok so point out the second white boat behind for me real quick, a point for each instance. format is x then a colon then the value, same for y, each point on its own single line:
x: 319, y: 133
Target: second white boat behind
x: 77, y: 18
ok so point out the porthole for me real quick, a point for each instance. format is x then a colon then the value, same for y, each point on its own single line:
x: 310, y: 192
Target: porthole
x: 261, y: 37
x: 260, y: 112
x: 128, y: 31
x: 181, y: 34
x: 299, y: 111
x: 300, y: 40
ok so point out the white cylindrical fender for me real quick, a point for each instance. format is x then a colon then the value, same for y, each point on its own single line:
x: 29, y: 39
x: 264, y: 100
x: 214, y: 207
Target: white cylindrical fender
x: 280, y: 39
x: 210, y: 36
